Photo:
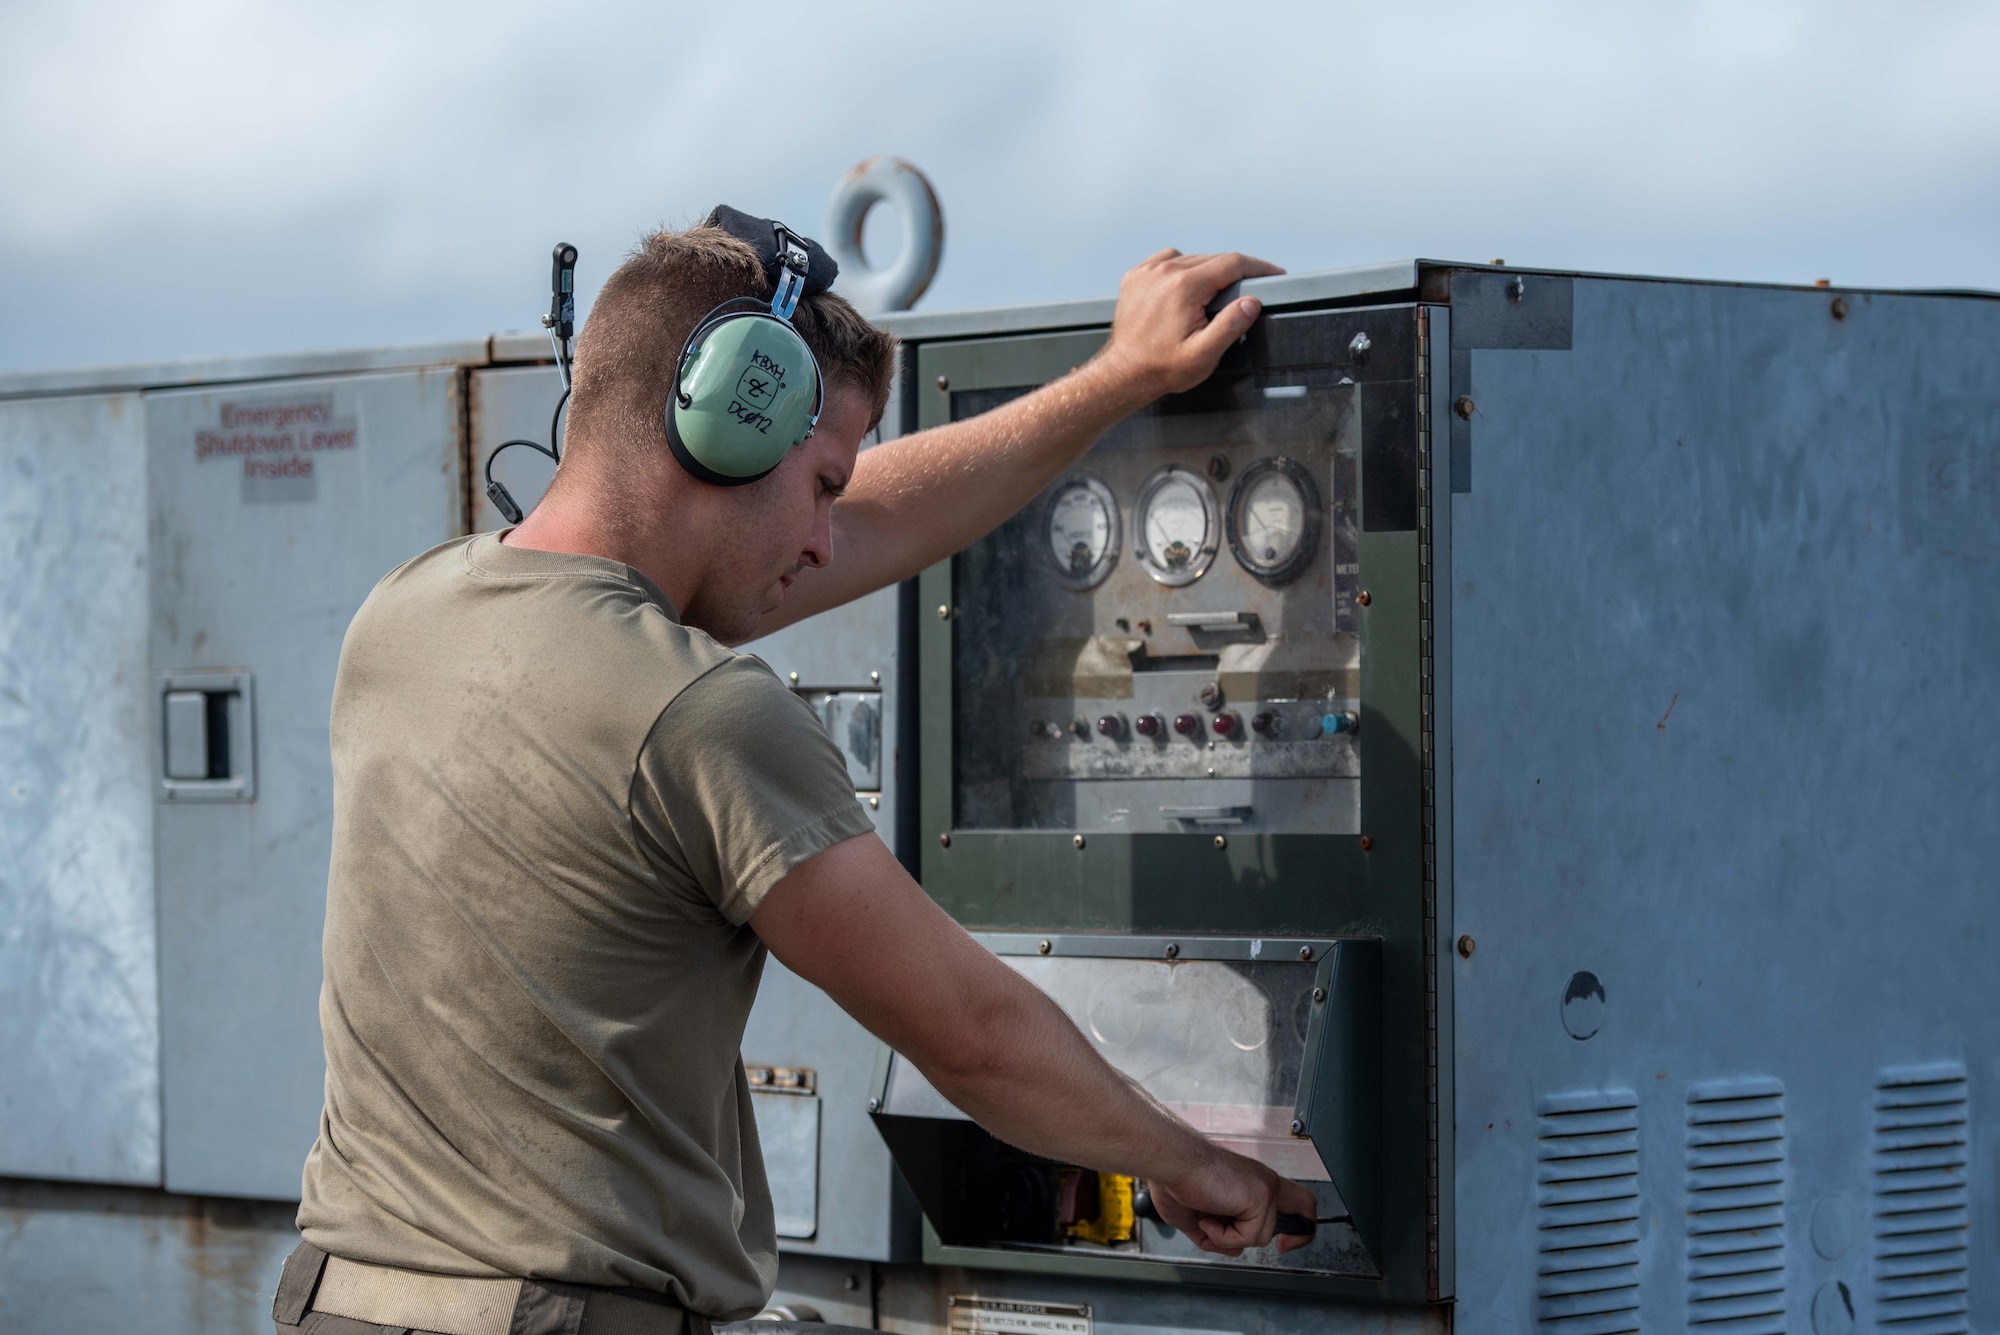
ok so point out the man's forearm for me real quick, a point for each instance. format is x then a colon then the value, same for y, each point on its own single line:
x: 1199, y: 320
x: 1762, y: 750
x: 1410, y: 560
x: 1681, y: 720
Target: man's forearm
x: 917, y: 499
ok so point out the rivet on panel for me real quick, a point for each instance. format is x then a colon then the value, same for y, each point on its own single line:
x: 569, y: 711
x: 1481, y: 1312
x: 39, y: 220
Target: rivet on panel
x: 1077, y: 840
x: 1221, y: 841
x: 943, y: 384
x: 944, y: 840
x: 874, y: 802
x: 944, y: 611
x: 874, y: 678
x: 1840, y: 308
x: 794, y: 677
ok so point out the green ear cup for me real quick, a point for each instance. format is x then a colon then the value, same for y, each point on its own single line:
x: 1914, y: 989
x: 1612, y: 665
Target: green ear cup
x: 748, y: 392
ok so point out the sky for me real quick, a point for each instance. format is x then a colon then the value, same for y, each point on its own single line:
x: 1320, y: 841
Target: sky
x: 190, y: 178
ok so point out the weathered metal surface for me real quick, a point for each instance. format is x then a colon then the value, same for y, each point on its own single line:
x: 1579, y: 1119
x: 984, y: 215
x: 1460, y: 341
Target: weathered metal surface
x: 79, y: 1083
x: 1724, y: 678
x: 263, y: 553
x: 1284, y: 290
x: 914, y: 1300
x: 82, y: 1259
x: 223, y: 370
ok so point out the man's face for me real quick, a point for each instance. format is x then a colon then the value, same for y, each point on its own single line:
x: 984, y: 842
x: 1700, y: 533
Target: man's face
x: 772, y: 529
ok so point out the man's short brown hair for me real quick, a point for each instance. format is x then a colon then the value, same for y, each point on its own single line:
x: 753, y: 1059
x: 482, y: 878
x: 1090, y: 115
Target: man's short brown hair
x: 645, y: 311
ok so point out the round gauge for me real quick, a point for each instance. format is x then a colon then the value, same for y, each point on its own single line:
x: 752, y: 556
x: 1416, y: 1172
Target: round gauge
x: 1274, y: 519
x: 1081, y: 530
x: 1174, y: 525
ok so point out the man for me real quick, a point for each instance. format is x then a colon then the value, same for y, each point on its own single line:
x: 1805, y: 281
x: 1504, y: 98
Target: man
x: 569, y: 821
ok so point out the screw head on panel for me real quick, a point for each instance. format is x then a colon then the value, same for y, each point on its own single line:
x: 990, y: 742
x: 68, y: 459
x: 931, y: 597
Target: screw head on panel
x: 1222, y: 841
x: 1464, y: 407
x: 793, y: 677
x: 1839, y: 308
x: 1077, y: 839
x: 1466, y: 945
x: 1367, y: 843
x: 944, y: 612
x: 874, y: 678
x: 1173, y: 950
x: 944, y: 840
x: 1305, y: 952
x: 1043, y: 948
x: 1298, y: 1127
x: 944, y: 384
x: 1364, y: 597
x: 1319, y: 996
x: 874, y: 1105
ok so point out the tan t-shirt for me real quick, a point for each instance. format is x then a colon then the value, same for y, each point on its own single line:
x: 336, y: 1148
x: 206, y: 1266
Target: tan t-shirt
x: 555, y: 807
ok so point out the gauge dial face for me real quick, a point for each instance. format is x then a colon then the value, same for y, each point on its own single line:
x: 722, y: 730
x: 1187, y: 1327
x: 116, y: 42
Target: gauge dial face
x: 1274, y: 519
x: 1081, y: 531
x: 1175, y: 525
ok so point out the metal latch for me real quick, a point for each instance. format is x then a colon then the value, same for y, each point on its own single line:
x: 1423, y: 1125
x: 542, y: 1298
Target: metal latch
x: 208, y: 747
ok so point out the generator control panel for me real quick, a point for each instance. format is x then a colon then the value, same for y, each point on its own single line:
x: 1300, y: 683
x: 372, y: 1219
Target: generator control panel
x: 1171, y: 758
x: 1166, y: 640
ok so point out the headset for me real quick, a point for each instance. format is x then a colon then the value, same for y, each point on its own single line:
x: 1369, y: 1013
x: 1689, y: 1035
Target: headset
x: 747, y: 389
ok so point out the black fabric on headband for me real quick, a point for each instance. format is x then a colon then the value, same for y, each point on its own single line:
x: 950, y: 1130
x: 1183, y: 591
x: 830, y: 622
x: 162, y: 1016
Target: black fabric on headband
x: 761, y: 235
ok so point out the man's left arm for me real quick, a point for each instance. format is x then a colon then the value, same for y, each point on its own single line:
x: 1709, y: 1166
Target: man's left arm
x: 917, y: 499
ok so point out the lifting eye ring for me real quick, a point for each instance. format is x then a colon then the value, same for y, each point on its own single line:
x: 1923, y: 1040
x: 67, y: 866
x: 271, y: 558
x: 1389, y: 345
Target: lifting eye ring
x: 895, y: 286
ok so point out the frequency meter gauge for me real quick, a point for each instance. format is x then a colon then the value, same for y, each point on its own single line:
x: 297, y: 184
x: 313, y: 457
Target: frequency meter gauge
x: 1175, y: 525
x: 1274, y: 519
x: 1081, y: 528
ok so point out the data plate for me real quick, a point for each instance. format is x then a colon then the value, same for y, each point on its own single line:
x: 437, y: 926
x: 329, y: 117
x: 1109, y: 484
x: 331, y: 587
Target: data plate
x: 973, y: 1315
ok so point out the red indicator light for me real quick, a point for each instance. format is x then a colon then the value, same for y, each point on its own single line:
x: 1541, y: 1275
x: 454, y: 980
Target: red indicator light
x: 1187, y: 725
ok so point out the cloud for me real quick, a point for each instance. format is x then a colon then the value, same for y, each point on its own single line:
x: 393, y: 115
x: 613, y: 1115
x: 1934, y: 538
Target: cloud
x: 217, y: 176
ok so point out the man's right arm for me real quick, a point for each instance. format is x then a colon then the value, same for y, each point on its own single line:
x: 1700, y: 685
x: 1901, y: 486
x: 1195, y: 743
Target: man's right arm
x: 851, y: 921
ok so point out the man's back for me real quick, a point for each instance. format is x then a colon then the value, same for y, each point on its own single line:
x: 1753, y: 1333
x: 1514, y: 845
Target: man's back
x: 555, y: 807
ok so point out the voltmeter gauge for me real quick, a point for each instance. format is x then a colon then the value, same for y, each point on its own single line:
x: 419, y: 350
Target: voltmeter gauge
x: 1081, y: 530
x: 1176, y: 528
x: 1274, y: 519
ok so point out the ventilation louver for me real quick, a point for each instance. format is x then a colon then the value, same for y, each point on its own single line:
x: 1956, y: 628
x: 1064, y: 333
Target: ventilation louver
x: 1920, y: 1204
x: 1587, y: 1188
x: 1736, y: 1207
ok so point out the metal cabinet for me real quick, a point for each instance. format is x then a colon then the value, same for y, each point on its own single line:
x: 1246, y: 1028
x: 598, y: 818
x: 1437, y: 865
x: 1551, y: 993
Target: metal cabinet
x: 275, y: 508
x: 79, y: 1044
